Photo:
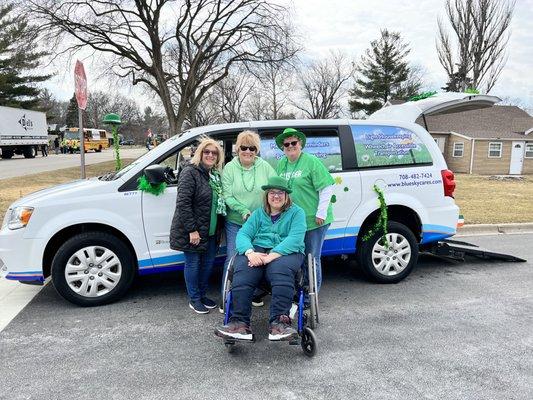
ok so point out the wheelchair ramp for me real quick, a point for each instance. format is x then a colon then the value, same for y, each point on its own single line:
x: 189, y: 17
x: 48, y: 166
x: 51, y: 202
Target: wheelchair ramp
x: 458, y: 250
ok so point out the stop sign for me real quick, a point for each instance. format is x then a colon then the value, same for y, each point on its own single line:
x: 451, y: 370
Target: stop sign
x: 80, y: 80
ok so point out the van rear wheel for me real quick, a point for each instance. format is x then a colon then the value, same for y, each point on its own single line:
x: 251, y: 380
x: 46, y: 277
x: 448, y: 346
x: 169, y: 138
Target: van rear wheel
x: 92, y: 269
x: 392, y: 263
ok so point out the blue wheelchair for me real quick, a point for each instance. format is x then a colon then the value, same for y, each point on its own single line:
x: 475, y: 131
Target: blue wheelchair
x: 307, y: 317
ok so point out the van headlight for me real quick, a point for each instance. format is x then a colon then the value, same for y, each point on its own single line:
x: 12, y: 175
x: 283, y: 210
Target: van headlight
x: 19, y: 218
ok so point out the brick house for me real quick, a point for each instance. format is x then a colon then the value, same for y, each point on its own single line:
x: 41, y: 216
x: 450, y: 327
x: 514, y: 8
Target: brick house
x: 490, y: 141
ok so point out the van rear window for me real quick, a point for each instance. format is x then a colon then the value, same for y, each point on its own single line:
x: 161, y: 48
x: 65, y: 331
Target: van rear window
x: 382, y: 146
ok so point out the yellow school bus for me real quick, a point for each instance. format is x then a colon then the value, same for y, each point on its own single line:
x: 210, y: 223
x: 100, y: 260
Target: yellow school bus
x: 95, y: 139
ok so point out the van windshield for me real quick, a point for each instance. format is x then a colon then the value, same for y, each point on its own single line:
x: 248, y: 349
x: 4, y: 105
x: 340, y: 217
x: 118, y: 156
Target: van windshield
x: 115, y: 175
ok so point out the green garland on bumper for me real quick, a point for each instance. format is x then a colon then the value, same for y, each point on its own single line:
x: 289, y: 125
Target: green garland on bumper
x: 145, y: 186
x: 382, y: 222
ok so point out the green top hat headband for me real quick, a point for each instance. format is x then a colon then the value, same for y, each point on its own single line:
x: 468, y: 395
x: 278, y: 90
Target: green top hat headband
x: 289, y: 132
x: 277, y: 182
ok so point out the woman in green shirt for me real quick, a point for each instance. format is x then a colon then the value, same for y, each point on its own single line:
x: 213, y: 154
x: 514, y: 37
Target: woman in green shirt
x: 242, y: 179
x: 312, y: 187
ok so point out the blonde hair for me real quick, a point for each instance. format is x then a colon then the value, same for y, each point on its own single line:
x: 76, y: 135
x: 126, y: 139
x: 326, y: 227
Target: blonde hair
x: 204, y: 142
x: 288, y: 202
x: 248, y: 138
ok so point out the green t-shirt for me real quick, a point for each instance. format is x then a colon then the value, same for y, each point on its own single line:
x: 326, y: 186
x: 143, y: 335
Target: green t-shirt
x: 307, y: 176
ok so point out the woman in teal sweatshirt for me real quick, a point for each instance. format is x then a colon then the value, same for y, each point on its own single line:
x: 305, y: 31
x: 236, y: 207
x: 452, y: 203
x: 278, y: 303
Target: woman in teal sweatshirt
x: 270, y: 244
x: 242, y: 179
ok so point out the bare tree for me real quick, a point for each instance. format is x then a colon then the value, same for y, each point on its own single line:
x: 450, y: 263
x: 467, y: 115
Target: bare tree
x: 180, y: 58
x: 481, y: 29
x: 323, y: 84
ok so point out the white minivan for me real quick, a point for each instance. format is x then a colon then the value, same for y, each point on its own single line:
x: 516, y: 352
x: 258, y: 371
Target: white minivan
x: 92, y: 237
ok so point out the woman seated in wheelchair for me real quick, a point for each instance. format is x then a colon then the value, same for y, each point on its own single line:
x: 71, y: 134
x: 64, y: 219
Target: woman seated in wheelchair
x: 269, y: 245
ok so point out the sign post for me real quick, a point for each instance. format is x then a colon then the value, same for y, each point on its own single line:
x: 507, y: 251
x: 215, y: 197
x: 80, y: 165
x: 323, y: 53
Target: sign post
x: 80, y: 80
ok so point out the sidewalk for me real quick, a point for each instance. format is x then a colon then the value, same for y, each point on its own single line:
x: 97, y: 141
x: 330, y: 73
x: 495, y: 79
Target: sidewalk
x: 14, y: 296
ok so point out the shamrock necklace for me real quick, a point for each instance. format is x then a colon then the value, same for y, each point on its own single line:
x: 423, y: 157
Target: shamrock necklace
x: 244, y: 183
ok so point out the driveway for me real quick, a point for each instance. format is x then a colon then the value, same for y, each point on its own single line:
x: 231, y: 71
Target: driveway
x: 19, y: 166
x: 449, y: 331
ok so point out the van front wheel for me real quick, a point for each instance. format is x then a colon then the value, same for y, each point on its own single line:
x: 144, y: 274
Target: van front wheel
x: 92, y: 269
x: 393, y: 262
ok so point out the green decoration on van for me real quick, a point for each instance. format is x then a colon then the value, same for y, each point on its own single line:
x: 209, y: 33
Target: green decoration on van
x: 114, y: 121
x: 333, y: 199
x: 145, y: 186
x: 422, y: 96
x: 472, y: 91
x: 383, y: 219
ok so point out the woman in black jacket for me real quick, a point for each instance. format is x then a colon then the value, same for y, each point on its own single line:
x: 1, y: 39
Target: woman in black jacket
x: 194, y: 226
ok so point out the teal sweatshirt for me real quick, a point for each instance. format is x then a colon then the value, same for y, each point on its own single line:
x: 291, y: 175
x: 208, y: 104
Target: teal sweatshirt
x: 242, y: 187
x: 285, y: 236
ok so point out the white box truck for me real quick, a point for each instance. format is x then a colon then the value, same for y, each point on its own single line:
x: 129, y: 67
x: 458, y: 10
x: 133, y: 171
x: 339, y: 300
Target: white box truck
x: 22, y: 132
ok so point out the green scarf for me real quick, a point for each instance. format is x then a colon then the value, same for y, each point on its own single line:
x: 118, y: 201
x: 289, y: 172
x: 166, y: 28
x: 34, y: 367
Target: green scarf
x: 216, y: 185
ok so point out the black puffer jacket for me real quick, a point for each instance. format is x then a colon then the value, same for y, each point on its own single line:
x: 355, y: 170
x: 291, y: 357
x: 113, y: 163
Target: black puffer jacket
x: 193, y: 209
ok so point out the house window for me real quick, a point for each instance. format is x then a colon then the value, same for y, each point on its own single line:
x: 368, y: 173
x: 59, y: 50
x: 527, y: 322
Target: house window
x: 458, y: 149
x: 495, y: 150
x: 529, y: 150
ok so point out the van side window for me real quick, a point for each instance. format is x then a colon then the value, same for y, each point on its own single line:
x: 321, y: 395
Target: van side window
x: 382, y: 146
x: 326, y: 148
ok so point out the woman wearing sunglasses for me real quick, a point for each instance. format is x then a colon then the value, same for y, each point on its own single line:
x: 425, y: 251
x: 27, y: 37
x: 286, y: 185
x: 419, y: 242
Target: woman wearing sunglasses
x: 242, y: 179
x: 271, y: 245
x: 196, y: 225
x: 312, y: 187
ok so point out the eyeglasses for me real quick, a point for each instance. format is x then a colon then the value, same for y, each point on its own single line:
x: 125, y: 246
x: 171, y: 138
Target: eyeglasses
x: 207, y: 152
x: 293, y: 143
x: 251, y: 148
x: 276, y: 193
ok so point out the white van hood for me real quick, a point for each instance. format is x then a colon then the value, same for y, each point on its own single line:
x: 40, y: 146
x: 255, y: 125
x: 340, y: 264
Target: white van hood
x: 440, y: 103
x: 63, y: 191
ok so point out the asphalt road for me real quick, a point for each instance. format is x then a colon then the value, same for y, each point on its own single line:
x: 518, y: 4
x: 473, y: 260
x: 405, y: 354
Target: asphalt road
x: 449, y: 331
x: 19, y: 166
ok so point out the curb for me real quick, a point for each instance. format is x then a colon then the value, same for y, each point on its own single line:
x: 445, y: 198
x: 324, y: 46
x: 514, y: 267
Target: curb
x: 495, y: 229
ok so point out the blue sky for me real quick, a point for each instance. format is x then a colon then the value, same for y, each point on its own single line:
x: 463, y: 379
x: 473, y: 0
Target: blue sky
x: 350, y: 25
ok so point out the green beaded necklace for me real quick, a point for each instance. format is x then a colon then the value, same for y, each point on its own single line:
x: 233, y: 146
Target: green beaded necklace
x: 242, y: 179
x: 289, y: 181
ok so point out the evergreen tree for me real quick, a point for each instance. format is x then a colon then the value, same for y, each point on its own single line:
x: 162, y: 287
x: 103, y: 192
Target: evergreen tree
x: 72, y: 118
x: 18, y: 58
x: 383, y: 70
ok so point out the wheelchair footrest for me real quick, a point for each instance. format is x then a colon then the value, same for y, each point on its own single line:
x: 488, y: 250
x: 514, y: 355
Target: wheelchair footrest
x: 233, y: 341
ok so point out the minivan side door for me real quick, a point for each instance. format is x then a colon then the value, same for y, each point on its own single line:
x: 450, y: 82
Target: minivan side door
x: 333, y: 145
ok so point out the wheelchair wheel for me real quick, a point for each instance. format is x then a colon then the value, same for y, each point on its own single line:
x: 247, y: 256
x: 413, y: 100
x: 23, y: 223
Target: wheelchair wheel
x: 228, y: 277
x: 313, y: 292
x: 309, y: 343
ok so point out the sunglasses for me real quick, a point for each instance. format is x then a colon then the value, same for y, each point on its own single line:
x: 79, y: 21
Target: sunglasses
x: 251, y: 148
x: 276, y: 193
x: 293, y: 143
x: 207, y: 152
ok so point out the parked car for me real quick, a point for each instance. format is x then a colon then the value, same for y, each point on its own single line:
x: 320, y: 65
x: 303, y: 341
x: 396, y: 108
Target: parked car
x: 93, y: 236
x: 127, y: 142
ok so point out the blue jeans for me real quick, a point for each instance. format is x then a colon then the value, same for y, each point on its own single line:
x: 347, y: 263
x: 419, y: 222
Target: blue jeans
x: 231, y: 248
x: 313, y: 244
x: 198, y: 267
x: 280, y: 274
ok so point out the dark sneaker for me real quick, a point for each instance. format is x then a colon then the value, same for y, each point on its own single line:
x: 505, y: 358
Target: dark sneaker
x: 235, y: 330
x: 209, y: 303
x: 257, y: 301
x: 198, y: 307
x: 280, y: 329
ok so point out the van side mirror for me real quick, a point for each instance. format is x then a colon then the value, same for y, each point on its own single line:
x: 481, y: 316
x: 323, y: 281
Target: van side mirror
x: 155, y: 174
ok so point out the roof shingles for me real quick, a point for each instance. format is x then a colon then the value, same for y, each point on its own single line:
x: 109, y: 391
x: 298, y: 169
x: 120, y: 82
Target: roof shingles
x: 498, y: 122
